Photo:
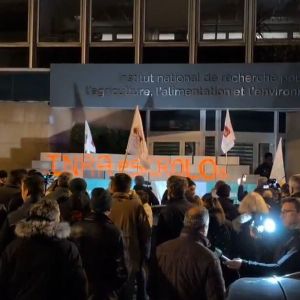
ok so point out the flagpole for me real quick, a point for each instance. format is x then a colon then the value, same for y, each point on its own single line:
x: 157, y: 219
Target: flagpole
x: 226, y: 162
x: 123, y: 167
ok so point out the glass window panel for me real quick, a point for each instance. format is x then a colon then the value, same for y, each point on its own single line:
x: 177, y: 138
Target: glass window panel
x: 166, y: 55
x: 278, y: 19
x: 59, y: 20
x: 47, y: 56
x: 190, y: 148
x: 112, y: 20
x: 282, y: 122
x: 288, y: 53
x: 14, y: 20
x: 14, y: 57
x: 250, y: 121
x: 221, y: 20
x: 175, y: 120
x: 210, y: 120
x: 120, y: 55
x: 221, y: 54
x: 166, y: 20
x: 166, y: 148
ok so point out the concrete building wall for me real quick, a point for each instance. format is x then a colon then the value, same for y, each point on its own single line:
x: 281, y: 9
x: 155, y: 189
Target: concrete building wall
x: 29, y: 128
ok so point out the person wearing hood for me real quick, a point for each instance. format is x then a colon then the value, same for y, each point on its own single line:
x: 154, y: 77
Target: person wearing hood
x: 41, y: 263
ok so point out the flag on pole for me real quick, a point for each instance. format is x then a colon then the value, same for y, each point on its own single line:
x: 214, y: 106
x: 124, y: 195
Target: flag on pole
x: 277, y: 171
x: 228, y: 138
x: 137, y: 143
x: 89, y: 146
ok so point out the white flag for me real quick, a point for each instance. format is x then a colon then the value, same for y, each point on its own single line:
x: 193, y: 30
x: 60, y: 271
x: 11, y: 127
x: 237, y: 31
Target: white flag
x: 278, y: 166
x: 89, y: 146
x: 228, y: 138
x: 136, y: 143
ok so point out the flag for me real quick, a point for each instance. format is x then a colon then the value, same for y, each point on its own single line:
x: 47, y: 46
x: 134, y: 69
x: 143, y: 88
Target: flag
x: 137, y: 143
x: 228, y: 138
x: 277, y: 171
x: 89, y: 146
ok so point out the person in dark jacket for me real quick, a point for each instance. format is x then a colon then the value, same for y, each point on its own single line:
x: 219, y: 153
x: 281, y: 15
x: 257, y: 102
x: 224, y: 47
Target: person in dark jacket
x: 41, y: 263
x: 140, y: 185
x: 101, y: 248
x: 32, y: 190
x: 223, y: 192
x: 184, y: 268
x: 12, y: 186
x: 60, y: 187
x: 289, y: 254
x: 170, y: 220
x: 76, y: 206
x: 265, y: 168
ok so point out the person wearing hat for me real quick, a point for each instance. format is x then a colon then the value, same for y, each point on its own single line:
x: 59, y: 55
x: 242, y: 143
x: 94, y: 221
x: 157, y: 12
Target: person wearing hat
x: 41, y: 263
x: 101, y: 248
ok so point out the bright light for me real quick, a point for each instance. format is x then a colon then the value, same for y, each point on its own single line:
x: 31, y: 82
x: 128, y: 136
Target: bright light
x: 269, y: 225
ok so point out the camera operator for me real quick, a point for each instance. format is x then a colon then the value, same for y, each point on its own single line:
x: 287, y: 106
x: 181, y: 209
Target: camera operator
x: 140, y: 185
x: 289, y: 254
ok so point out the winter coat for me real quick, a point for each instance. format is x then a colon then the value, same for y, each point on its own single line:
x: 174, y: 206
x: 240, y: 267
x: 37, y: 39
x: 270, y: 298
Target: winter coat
x: 101, y: 248
x: 8, y: 227
x: 42, y: 264
x: 287, y: 263
x: 231, y: 212
x: 184, y: 268
x: 7, y: 192
x: 170, y: 220
x: 128, y: 214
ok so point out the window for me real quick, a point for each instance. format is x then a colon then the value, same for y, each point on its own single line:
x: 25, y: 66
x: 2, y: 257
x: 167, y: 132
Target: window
x: 175, y: 120
x: 105, y: 55
x: 210, y: 120
x: 14, y: 20
x: 167, y: 55
x: 59, y: 20
x: 166, y: 148
x: 14, y: 57
x: 250, y: 121
x: 288, y: 53
x: 221, y: 54
x: 278, y: 19
x: 221, y: 20
x: 166, y: 20
x: 112, y: 20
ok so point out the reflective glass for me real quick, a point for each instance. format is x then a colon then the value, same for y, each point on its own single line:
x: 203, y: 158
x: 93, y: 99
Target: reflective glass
x: 112, y: 20
x: 221, y: 20
x: 14, y: 20
x: 166, y: 20
x: 59, y: 20
x: 278, y: 19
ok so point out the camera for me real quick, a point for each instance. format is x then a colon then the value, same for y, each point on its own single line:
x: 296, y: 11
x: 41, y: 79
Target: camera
x: 272, y: 184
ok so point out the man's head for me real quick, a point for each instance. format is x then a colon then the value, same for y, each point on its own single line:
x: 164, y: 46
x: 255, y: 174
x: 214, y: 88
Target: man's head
x: 223, y: 191
x: 64, y: 179
x: 290, y: 212
x: 77, y: 185
x: 32, y: 186
x: 16, y: 176
x: 100, y: 200
x: 121, y: 182
x: 176, y: 185
x: 139, y: 180
x: 268, y: 158
x: 294, y: 184
x: 191, y: 190
x: 196, y: 219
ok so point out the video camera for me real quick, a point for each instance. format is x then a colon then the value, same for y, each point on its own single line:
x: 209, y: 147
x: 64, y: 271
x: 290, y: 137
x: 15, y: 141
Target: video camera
x: 272, y: 184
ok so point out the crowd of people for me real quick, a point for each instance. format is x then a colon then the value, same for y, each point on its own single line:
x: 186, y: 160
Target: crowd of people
x: 59, y: 242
